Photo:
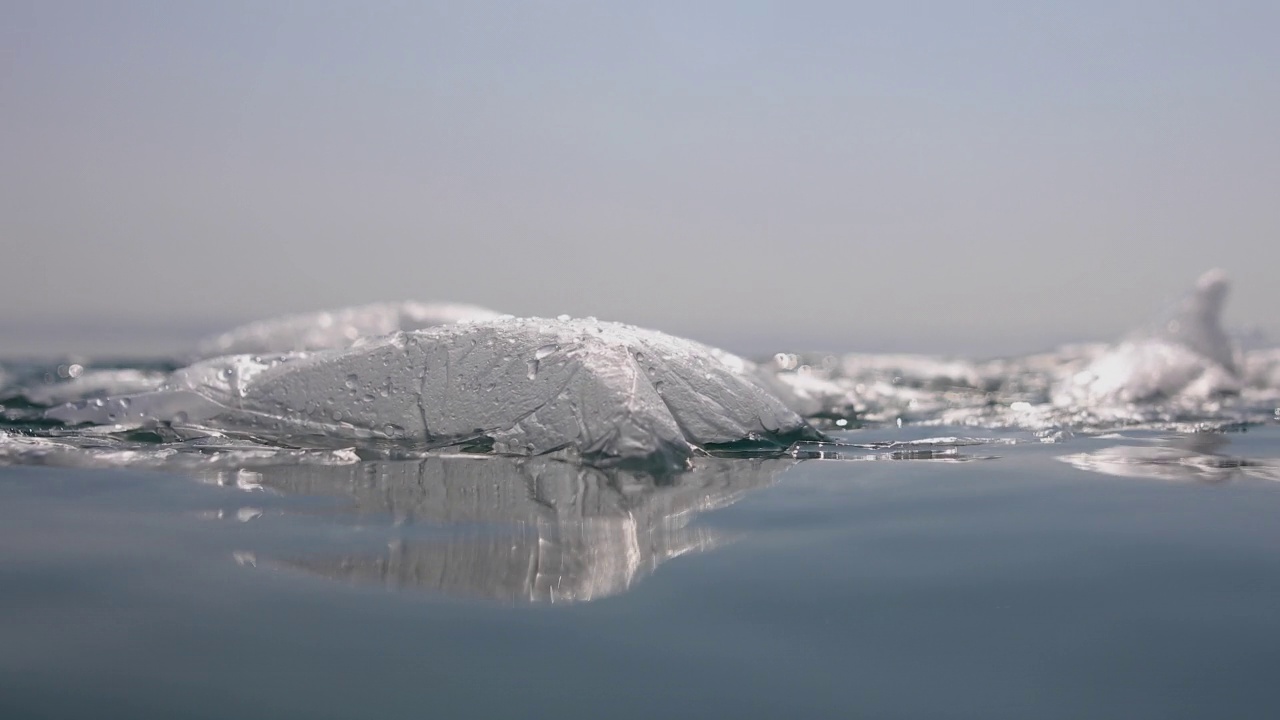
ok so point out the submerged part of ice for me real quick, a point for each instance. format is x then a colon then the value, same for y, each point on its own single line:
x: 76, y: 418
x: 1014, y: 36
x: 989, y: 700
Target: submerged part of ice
x: 337, y: 328
x: 602, y: 391
x: 508, y: 529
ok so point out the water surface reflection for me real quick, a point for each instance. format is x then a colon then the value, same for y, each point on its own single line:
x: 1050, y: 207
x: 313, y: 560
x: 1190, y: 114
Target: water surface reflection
x: 512, y: 529
x: 1199, y: 457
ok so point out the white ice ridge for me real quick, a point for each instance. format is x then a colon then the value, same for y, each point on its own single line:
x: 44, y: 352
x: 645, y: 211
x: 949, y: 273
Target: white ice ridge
x: 330, y: 329
x: 1188, y: 356
x: 605, y: 391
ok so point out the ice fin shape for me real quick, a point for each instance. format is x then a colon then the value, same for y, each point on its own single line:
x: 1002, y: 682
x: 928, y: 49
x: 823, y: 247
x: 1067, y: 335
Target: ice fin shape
x: 606, y: 391
x: 336, y: 328
x: 1198, y: 322
x: 1190, y: 355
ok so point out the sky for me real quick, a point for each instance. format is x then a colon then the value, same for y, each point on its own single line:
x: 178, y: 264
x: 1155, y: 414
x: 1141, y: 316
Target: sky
x: 977, y: 177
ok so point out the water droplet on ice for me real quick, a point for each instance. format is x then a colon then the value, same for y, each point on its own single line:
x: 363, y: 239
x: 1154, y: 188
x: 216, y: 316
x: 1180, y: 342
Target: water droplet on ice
x: 393, y: 430
x: 352, y: 379
x: 337, y: 415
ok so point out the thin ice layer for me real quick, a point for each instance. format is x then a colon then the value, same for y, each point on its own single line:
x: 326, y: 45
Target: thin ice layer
x: 605, y: 391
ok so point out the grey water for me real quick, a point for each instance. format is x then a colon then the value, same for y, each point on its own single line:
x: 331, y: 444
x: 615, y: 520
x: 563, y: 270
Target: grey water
x: 913, y: 572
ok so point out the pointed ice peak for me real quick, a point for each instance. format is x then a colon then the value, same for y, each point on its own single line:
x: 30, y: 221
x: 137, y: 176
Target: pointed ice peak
x: 1187, y: 355
x: 1197, y: 323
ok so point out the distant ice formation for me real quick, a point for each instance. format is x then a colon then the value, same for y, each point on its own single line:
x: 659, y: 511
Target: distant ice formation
x: 333, y: 329
x: 1180, y: 371
x: 1189, y: 356
x: 603, y: 391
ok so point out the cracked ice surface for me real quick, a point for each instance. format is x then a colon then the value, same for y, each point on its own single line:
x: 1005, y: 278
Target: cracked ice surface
x: 603, y: 391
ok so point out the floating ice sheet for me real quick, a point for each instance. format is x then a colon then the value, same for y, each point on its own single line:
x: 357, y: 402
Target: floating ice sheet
x: 603, y: 391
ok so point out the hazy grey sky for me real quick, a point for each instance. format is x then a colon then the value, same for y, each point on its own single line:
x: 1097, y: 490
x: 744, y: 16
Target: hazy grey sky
x: 840, y: 175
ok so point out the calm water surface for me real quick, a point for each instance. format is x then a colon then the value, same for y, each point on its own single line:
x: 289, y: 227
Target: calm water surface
x: 1140, y: 580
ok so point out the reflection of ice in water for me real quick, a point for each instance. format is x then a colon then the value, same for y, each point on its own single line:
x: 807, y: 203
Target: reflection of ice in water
x: 1195, y: 457
x: 534, y: 530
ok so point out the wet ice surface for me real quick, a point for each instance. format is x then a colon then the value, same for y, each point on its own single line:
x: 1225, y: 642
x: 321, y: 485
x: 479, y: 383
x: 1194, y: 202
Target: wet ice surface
x: 601, y: 392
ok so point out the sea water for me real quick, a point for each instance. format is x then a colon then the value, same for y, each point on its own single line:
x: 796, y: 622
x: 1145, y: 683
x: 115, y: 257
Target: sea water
x: 913, y: 571
x: 1086, y: 533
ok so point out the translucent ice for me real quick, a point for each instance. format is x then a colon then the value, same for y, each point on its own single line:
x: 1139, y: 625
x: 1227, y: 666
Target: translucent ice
x: 337, y: 328
x: 603, y: 391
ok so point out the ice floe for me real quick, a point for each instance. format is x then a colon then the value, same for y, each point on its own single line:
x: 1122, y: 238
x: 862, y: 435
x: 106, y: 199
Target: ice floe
x: 601, y: 391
